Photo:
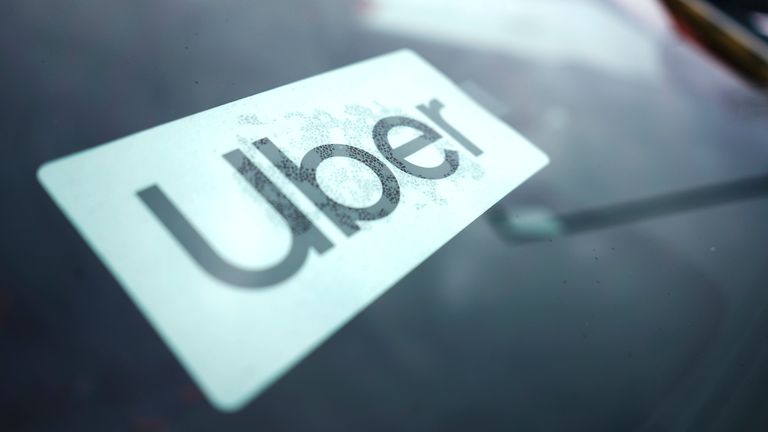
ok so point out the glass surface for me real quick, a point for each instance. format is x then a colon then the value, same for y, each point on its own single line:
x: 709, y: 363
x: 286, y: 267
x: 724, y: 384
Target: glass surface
x: 621, y: 288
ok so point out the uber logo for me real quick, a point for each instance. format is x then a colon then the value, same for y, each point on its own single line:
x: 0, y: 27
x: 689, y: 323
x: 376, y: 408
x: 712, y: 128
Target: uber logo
x: 248, y: 234
x: 305, y: 235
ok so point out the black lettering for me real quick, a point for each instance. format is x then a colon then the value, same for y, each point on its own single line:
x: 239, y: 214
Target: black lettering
x: 397, y: 156
x: 305, y: 234
x: 305, y: 178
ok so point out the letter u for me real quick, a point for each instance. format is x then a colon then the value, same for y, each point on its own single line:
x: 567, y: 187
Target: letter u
x: 305, y: 234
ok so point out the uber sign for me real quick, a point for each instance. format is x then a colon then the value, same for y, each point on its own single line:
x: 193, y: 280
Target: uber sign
x: 250, y: 233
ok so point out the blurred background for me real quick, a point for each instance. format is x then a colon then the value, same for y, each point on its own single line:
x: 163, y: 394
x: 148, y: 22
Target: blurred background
x: 622, y: 288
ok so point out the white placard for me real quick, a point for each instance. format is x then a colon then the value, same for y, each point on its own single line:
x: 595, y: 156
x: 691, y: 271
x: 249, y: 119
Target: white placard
x: 249, y: 233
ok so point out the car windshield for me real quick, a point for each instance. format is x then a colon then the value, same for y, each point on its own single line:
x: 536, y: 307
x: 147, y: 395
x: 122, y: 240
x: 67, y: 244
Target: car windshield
x: 620, y: 288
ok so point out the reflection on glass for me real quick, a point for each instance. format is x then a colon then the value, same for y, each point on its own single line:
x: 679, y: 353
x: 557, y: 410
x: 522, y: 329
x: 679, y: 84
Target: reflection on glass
x: 535, y: 224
